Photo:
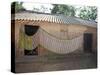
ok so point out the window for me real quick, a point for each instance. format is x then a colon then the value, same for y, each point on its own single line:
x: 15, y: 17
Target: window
x: 30, y: 31
x: 31, y: 52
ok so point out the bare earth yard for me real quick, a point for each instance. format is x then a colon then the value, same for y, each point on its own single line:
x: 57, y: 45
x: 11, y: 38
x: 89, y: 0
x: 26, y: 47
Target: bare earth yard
x: 56, y: 63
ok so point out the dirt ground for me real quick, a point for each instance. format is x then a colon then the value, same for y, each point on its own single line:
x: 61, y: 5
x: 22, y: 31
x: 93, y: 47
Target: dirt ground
x: 66, y: 62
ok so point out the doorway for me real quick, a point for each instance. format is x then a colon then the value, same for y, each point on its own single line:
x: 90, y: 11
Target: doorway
x: 88, y: 41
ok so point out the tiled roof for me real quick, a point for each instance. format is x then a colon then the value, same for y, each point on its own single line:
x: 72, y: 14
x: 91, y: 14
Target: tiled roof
x: 54, y: 18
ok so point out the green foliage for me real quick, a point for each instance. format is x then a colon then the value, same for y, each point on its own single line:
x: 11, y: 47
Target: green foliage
x: 16, y: 6
x: 89, y: 13
x: 63, y: 9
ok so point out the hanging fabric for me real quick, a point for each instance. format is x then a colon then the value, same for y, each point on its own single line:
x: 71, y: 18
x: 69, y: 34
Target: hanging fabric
x: 52, y: 43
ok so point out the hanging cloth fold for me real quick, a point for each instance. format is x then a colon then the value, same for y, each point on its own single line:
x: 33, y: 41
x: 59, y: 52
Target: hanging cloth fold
x: 50, y: 42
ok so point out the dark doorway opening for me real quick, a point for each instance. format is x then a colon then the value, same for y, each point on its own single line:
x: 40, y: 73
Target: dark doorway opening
x: 31, y: 52
x: 88, y: 40
x: 31, y: 30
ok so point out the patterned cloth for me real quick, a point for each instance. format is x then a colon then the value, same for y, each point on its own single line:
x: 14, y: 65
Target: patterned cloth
x: 50, y: 42
x: 58, y: 45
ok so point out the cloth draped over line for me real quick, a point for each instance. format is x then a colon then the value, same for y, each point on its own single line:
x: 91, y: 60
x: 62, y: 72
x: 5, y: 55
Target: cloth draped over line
x: 51, y: 43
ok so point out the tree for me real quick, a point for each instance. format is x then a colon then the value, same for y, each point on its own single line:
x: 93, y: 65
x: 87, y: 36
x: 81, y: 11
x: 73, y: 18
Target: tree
x: 43, y: 9
x: 16, y: 7
x: 63, y: 9
x: 89, y: 13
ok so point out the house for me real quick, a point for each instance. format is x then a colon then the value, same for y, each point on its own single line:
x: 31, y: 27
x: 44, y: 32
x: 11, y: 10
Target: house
x: 37, y: 32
